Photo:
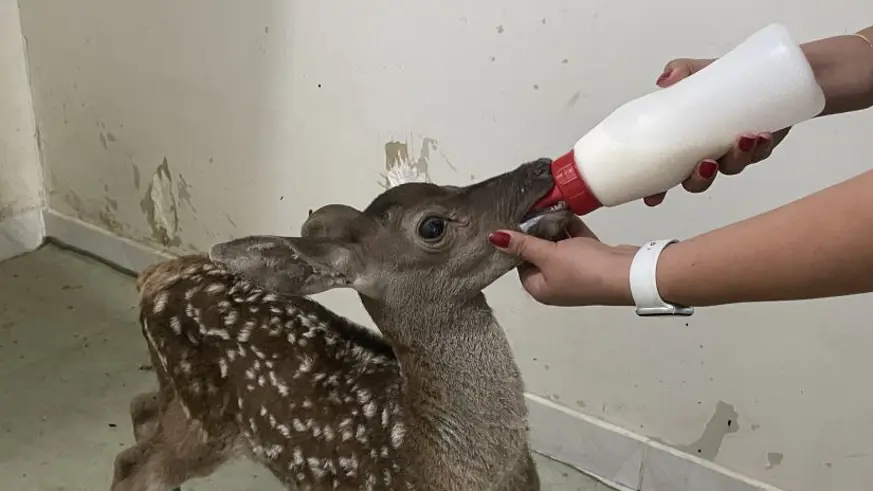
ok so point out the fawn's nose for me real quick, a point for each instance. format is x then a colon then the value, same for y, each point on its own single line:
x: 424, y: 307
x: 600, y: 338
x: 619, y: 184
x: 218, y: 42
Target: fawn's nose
x: 540, y: 169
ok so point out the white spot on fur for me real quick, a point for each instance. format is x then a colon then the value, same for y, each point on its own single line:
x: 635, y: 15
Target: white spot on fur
x: 215, y: 288
x: 176, y: 325
x: 397, y: 434
x: 273, y: 452
x: 161, y: 302
x: 349, y: 464
x: 315, y: 466
x: 370, y: 409
x: 329, y: 434
x: 284, y: 431
x: 257, y: 352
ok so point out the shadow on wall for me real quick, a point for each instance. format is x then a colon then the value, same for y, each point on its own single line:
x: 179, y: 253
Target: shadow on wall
x: 144, y: 109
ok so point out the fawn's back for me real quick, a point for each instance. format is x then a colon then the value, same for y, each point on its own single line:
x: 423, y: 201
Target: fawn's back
x: 312, y: 395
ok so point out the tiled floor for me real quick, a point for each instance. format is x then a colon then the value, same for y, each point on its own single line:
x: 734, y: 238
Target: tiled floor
x: 70, y: 360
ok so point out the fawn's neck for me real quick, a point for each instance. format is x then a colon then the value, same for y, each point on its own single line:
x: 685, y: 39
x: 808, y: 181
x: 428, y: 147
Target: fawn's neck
x: 459, y: 372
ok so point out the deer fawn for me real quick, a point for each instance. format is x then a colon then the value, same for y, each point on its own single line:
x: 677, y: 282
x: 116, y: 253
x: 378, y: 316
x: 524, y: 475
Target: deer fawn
x: 247, y: 365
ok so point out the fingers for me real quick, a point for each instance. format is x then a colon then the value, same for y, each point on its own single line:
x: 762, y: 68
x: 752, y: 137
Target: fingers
x: 702, y: 177
x: 680, y: 68
x: 743, y: 153
x: 655, y: 199
x: 526, y: 247
x: 577, y: 228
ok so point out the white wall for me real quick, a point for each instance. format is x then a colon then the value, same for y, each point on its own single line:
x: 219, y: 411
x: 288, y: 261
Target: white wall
x: 20, y: 185
x: 178, y: 124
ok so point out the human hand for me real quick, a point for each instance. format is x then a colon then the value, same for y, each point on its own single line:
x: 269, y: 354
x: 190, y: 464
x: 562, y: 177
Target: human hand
x: 748, y: 149
x: 576, y: 271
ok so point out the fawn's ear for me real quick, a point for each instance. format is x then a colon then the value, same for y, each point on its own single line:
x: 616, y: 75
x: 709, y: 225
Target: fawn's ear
x: 295, y: 266
x: 331, y: 222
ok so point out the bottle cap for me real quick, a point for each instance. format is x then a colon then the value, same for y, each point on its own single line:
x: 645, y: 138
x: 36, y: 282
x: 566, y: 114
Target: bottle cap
x: 569, y: 188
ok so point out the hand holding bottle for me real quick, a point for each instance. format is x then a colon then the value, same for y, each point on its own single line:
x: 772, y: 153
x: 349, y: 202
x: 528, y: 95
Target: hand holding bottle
x: 748, y: 149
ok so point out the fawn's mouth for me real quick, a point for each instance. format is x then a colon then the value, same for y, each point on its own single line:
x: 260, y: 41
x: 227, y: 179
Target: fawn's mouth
x: 537, y: 212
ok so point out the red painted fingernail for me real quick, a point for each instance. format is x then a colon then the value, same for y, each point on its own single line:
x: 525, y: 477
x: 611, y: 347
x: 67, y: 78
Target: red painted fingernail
x: 664, y: 76
x: 707, y: 169
x: 746, y: 143
x: 499, y: 239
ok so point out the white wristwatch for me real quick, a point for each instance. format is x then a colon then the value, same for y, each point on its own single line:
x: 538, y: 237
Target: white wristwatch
x: 644, y: 286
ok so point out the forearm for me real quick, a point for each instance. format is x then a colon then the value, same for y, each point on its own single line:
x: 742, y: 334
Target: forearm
x: 843, y: 66
x: 819, y: 246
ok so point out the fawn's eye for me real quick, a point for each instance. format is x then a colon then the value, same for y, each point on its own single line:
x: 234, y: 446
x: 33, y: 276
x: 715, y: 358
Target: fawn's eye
x: 432, y: 228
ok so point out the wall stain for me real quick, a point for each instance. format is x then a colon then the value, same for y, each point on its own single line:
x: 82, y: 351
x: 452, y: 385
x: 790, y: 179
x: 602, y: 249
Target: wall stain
x: 96, y: 213
x: 137, y: 179
x: 110, y: 136
x: 573, y: 100
x: 500, y: 29
x: 723, y: 421
x: 103, y: 141
x: 773, y: 459
x: 233, y: 223
x: 184, y: 190
x: 160, y: 208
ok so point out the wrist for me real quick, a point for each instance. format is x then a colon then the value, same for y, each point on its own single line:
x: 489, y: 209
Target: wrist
x: 616, y: 284
x: 843, y: 67
x: 644, y: 281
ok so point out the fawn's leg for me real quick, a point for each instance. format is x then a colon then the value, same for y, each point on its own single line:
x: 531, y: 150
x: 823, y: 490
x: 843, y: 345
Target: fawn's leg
x: 176, y: 452
x: 146, y: 408
x: 145, y: 412
x: 524, y: 477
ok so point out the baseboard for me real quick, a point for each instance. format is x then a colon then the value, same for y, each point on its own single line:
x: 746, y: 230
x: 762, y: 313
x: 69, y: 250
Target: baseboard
x: 619, y: 458
x: 119, y: 252
x: 622, y: 459
x: 21, y: 233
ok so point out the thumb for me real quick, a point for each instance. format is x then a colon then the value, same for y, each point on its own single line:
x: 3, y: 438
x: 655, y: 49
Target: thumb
x: 532, y: 249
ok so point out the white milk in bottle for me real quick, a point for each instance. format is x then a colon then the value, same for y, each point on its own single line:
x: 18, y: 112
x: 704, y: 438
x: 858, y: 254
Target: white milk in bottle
x: 653, y: 143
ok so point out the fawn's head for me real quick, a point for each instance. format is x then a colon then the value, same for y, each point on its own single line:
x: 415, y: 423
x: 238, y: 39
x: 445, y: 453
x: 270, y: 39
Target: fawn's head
x: 416, y: 241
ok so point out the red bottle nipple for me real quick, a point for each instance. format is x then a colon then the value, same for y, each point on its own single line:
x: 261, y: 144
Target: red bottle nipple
x: 569, y: 188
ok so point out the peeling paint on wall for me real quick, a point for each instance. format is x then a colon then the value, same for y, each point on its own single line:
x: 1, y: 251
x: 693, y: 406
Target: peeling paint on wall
x: 400, y: 167
x: 723, y: 422
x: 160, y: 208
